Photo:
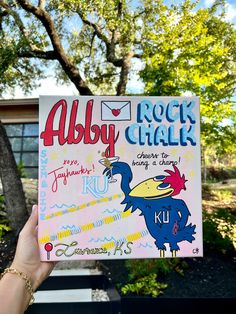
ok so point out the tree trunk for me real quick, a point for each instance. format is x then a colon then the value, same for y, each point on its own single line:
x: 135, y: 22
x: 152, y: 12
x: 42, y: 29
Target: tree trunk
x: 12, y: 185
x: 125, y: 69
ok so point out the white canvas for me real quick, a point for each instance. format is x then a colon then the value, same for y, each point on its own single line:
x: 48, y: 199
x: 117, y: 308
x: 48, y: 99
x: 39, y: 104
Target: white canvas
x: 119, y: 177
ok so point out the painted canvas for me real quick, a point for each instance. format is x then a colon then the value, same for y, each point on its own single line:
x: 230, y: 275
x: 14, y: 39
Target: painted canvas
x: 119, y: 177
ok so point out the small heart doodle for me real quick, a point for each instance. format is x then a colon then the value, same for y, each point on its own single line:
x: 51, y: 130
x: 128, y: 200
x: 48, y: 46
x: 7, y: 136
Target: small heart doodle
x: 115, y: 112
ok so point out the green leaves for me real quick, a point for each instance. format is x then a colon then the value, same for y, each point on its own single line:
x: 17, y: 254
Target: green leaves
x: 192, y: 51
x: 3, y: 229
x: 146, y: 285
x: 219, y: 229
x: 185, y: 50
x: 4, y: 224
x: 92, y: 37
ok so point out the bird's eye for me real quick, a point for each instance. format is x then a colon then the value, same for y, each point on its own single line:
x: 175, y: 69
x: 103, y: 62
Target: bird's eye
x: 163, y: 186
x: 158, y: 178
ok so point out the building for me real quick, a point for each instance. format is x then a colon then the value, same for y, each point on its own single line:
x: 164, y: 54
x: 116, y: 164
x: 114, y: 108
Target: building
x: 20, y: 118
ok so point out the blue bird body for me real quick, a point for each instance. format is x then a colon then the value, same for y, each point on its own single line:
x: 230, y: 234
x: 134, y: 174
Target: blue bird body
x: 165, y: 217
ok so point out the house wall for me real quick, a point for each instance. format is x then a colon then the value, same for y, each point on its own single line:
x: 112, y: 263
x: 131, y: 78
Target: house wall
x: 20, y: 117
x: 19, y: 110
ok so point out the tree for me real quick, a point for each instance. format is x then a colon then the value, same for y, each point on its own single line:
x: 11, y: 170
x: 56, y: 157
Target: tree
x: 12, y: 186
x: 193, y: 51
x: 93, y: 44
x: 97, y: 51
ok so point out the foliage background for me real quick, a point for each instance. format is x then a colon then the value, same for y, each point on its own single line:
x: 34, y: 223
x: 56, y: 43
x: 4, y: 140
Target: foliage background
x: 173, y: 47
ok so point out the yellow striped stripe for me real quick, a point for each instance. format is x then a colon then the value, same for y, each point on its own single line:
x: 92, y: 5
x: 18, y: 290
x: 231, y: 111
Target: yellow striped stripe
x: 72, y: 209
x: 130, y: 238
x: 133, y: 237
x: 63, y: 234
x: 87, y: 227
x: 108, y: 245
x: 58, y: 213
x: 92, y: 203
x: 45, y: 239
x: 126, y: 214
x: 116, y: 196
x: 108, y: 220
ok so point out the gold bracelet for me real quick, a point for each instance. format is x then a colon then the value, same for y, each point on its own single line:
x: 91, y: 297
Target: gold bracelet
x: 28, y: 284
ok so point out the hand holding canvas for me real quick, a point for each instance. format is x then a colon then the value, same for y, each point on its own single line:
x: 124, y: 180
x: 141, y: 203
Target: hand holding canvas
x: 27, y: 258
x: 13, y: 293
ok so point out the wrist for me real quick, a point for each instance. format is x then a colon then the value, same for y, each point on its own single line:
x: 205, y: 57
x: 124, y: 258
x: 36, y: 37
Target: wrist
x: 24, y: 269
x: 20, y: 285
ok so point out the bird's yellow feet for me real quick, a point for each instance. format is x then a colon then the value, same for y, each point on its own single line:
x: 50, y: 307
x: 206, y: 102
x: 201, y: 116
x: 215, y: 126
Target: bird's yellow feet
x: 162, y: 253
x: 173, y: 253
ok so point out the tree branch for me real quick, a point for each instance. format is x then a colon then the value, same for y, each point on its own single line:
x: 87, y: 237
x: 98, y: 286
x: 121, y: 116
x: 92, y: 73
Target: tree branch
x: 41, y: 4
x: 139, y: 14
x: 110, y: 44
x: 91, y: 46
x: 16, y: 17
x: 34, y: 52
x: 70, y: 69
x: 137, y: 55
x: 96, y: 28
x: 2, y: 14
x: 47, y: 55
x: 121, y: 87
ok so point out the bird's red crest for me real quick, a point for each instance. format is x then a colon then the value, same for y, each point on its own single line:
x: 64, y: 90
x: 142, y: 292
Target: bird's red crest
x: 176, y: 181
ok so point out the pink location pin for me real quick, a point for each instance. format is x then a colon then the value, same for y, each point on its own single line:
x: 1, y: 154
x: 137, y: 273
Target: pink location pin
x: 48, y: 247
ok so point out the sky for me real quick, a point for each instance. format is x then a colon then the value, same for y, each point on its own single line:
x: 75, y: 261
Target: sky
x: 49, y: 86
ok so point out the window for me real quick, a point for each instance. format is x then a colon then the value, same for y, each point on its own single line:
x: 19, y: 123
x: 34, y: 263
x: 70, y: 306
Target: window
x: 24, y: 142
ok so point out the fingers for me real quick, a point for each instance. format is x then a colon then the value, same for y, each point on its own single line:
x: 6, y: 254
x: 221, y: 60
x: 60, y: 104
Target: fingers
x: 32, y: 222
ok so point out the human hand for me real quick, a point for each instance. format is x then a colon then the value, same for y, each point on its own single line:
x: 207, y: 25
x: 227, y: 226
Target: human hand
x: 27, y: 257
